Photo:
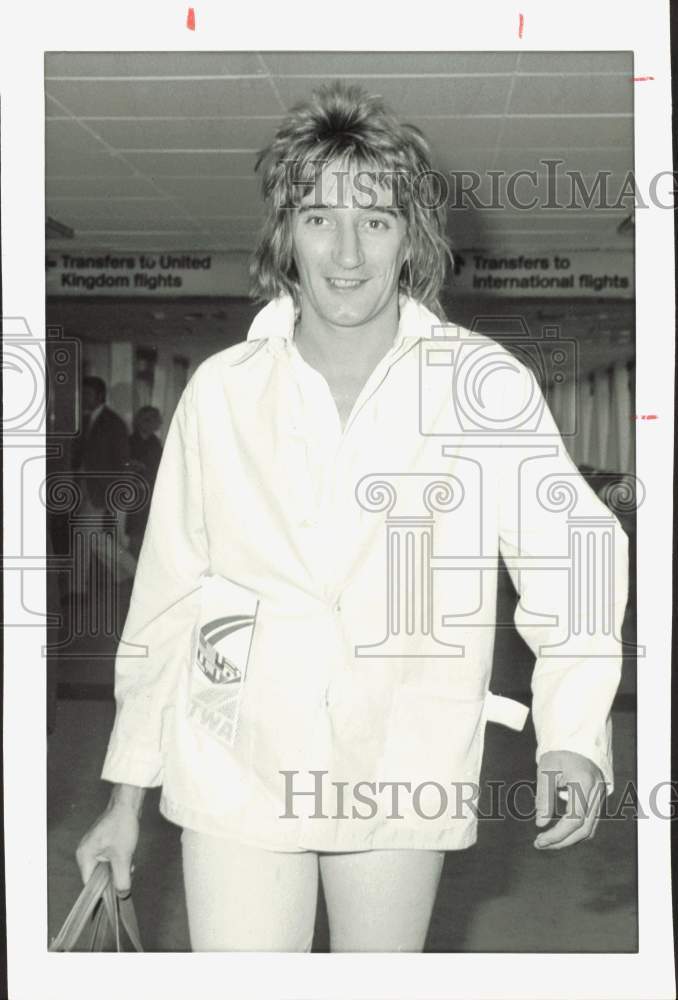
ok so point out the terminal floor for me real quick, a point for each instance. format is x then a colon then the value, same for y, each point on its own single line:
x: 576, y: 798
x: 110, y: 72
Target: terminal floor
x: 501, y: 895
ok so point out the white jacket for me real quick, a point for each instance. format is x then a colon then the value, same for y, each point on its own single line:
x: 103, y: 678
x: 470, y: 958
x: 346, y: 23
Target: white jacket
x: 369, y: 557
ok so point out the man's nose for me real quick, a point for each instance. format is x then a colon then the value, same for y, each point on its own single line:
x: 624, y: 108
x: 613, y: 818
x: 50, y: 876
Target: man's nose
x: 347, y: 251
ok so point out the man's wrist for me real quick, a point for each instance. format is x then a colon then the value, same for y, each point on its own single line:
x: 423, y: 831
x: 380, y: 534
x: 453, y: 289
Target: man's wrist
x: 128, y: 797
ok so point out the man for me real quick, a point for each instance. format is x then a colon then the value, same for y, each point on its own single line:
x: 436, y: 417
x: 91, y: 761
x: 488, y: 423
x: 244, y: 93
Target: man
x: 325, y: 469
x: 103, y: 446
x: 145, y: 454
x: 100, y: 455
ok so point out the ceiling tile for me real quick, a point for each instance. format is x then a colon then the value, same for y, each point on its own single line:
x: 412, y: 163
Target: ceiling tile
x: 417, y: 95
x: 166, y: 97
x: 576, y: 62
x: 223, y: 196
x: 585, y: 161
x: 98, y: 187
x: 173, y: 240
x: 572, y: 95
x: 69, y: 137
x: 100, y: 165
x: 207, y: 203
x: 91, y: 213
x: 328, y: 64
x: 566, y: 133
x: 455, y: 134
x: 167, y: 226
x: 187, y: 133
x: 150, y: 63
x: 158, y: 164
x: 196, y: 187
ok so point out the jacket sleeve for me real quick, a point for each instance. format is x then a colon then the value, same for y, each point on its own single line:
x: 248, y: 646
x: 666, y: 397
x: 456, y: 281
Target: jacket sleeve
x: 549, y: 514
x: 156, y: 637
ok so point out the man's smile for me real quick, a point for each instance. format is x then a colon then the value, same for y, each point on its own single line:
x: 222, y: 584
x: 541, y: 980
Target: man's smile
x: 346, y: 284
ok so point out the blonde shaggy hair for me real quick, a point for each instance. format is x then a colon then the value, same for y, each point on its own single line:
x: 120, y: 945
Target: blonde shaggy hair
x: 345, y: 125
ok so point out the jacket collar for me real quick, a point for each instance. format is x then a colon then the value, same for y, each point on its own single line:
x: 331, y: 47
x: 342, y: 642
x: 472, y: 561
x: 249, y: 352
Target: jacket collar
x: 277, y: 320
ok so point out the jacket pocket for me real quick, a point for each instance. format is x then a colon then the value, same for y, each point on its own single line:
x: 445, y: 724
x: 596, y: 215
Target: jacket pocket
x: 434, y: 742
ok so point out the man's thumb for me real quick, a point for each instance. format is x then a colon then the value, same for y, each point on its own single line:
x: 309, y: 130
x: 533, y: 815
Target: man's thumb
x: 122, y: 874
x: 544, y: 801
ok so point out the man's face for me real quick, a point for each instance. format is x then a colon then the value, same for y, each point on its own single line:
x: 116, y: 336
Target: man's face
x: 349, y: 245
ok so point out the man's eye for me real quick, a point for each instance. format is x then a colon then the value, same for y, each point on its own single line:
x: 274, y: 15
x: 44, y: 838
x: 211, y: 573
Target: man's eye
x: 316, y: 220
x: 376, y: 224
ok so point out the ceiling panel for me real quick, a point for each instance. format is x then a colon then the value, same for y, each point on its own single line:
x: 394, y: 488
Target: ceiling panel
x: 165, y: 224
x: 556, y: 132
x: 187, y: 133
x: 166, y: 97
x: 223, y: 196
x: 417, y: 95
x: 576, y: 62
x: 453, y: 135
x: 93, y: 64
x: 98, y: 187
x: 329, y: 64
x: 199, y: 187
x: 121, y: 210
x: 586, y: 161
x: 177, y: 120
x: 572, y: 95
x: 71, y: 138
x: 101, y: 165
x: 169, y: 240
x: 222, y: 164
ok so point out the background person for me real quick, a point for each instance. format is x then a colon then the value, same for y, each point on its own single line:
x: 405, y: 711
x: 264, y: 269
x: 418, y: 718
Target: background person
x: 145, y: 449
x: 100, y: 455
x: 102, y: 446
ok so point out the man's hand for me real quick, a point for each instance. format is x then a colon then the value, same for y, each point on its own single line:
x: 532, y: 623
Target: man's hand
x: 113, y: 837
x: 585, y: 786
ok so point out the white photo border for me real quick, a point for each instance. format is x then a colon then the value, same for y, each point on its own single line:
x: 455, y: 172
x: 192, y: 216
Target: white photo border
x: 33, y: 29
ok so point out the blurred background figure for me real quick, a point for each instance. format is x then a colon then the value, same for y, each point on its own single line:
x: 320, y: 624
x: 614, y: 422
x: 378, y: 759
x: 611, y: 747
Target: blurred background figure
x: 145, y: 450
x: 102, y: 449
x: 102, y: 446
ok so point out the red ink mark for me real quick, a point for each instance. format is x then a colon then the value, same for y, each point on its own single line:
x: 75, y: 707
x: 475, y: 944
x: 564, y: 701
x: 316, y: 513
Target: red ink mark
x: 646, y: 416
x: 190, y: 19
x: 521, y: 25
x: 639, y: 79
x: 652, y: 416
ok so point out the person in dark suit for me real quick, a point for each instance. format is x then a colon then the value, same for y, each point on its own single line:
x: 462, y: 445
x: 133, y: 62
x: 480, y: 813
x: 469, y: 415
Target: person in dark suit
x: 145, y: 454
x: 100, y: 457
x: 103, y: 444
